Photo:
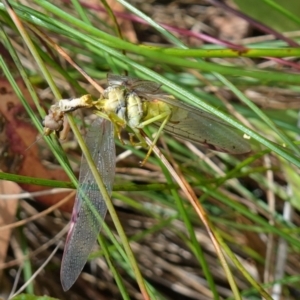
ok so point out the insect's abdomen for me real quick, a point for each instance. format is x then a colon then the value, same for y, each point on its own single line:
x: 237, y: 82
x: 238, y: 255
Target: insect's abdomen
x: 134, y: 110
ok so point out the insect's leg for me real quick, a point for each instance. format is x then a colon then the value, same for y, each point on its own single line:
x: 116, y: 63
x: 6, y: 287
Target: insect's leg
x: 132, y: 142
x: 101, y: 115
x: 119, y: 124
x: 118, y: 132
x: 141, y: 140
x: 155, y: 119
x: 160, y: 129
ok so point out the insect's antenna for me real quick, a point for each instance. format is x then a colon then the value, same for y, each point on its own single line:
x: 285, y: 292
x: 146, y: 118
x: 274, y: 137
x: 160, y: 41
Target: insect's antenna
x: 44, y: 134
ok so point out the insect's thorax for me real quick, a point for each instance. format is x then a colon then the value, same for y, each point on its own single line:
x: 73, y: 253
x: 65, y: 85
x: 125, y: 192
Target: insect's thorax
x: 126, y: 105
x: 132, y: 108
x: 114, y: 101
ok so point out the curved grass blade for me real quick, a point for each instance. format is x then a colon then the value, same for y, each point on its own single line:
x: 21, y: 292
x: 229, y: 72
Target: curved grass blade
x: 89, y: 208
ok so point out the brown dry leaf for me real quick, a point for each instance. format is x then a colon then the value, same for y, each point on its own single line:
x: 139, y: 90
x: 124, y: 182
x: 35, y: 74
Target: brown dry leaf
x: 8, y: 210
x: 20, y: 134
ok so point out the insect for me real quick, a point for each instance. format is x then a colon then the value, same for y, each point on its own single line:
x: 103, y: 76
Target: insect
x: 131, y: 103
x: 137, y: 103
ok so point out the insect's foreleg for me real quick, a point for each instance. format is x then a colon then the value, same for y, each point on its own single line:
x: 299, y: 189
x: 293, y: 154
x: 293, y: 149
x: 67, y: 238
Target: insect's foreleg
x: 141, y: 140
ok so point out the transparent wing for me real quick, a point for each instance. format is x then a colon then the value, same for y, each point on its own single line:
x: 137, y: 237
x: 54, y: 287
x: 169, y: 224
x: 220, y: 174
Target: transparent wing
x: 142, y: 87
x: 201, y: 127
x: 198, y: 126
x: 190, y: 108
x: 85, y: 225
